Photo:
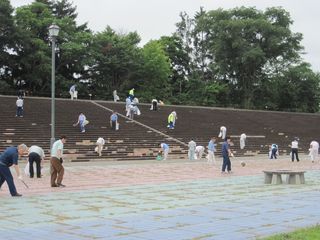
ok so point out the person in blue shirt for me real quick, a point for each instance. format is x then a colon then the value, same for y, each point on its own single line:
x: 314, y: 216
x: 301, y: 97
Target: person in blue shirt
x: 73, y: 91
x: 274, y: 150
x: 10, y: 158
x: 165, y: 150
x: 226, y: 153
x: 113, y: 120
x: 211, y: 150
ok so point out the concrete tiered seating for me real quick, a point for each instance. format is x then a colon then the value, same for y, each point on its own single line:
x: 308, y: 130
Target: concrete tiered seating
x: 261, y: 127
x: 135, y: 141
x: 131, y: 142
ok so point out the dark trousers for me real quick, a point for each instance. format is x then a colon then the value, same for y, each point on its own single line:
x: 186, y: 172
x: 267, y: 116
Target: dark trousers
x: 294, y: 151
x: 57, y: 171
x: 5, y: 175
x: 226, y: 164
x: 19, y: 111
x: 274, y: 153
x: 113, y: 125
x: 34, y: 157
x: 171, y: 125
x: 154, y: 106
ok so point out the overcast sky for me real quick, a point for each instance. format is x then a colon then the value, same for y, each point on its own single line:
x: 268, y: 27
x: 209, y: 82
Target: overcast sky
x: 155, y: 18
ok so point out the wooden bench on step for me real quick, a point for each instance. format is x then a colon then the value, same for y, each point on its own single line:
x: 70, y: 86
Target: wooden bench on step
x: 293, y: 177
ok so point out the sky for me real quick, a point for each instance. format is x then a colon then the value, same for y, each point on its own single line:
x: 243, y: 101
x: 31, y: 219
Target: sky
x: 155, y: 18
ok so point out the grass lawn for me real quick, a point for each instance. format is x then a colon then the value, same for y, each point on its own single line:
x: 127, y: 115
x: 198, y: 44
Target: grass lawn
x: 312, y: 233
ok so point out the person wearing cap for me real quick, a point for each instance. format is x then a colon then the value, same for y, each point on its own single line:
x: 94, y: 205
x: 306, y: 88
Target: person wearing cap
x: 294, y: 150
x: 7, y: 159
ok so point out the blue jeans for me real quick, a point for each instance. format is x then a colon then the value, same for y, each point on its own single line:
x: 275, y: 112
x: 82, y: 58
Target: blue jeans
x: 226, y: 164
x: 274, y: 153
x: 5, y: 175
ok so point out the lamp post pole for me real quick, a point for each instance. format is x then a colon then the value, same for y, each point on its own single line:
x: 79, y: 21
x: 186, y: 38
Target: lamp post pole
x: 53, y: 33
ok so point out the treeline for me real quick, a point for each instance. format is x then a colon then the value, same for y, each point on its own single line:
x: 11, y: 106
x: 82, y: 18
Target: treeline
x: 243, y: 57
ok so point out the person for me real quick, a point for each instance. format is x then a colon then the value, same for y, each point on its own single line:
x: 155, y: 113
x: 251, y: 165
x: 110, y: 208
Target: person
x: 211, y: 150
x: 7, y: 159
x: 82, y: 121
x: 131, y: 94
x: 226, y: 153
x: 165, y: 149
x: 294, y: 149
x: 273, y: 151
x: 199, y: 152
x: 128, y: 104
x: 19, y: 104
x: 154, y: 105
x: 314, y: 150
x: 57, y: 169
x: 133, y: 108
x: 73, y: 92
x: 100, y: 143
x: 172, y: 120
x: 36, y: 154
x: 192, y: 148
x: 113, y: 120
x: 21, y: 93
x: 223, y: 132
x: 243, y: 138
x: 115, y: 96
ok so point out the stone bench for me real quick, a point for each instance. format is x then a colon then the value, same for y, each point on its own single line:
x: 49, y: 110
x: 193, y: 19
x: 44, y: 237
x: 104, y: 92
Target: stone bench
x: 275, y: 177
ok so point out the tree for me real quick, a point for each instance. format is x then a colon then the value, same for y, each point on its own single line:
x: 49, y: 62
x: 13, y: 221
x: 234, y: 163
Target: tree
x: 8, y: 41
x: 298, y: 89
x: 34, y: 52
x: 155, y: 72
x: 179, y: 65
x: 116, y: 62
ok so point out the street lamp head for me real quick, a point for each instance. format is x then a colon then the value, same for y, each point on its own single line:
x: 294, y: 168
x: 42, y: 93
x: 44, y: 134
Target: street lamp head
x: 54, y: 31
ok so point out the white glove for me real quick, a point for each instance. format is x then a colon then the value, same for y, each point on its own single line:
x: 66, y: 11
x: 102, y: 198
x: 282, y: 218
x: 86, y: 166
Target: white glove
x: 20, y: 177
x: 231, y: 155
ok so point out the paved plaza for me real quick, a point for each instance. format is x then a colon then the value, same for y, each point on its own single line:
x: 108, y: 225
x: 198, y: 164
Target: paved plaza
x: 161, y: 200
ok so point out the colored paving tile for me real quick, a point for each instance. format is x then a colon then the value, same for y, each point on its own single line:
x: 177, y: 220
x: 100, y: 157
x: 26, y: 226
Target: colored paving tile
x: 233, y: 207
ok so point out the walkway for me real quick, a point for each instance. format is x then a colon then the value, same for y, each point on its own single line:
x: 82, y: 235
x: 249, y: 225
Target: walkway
x: 166, y: 200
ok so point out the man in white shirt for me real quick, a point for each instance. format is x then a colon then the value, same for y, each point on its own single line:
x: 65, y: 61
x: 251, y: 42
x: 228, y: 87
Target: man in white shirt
x: 36, y: 154
x: 199, y: 152
x: 314, y: 150
x: 243, y: 138
x: 223, y: 132
x: 57, y: 170
x: 19, y: 104
x: 294, y: 150
x: 100, y: 143
x: 73, y: 92
x: 192, y: 148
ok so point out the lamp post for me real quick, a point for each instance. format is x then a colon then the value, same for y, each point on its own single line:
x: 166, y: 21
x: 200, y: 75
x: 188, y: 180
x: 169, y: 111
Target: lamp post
x: 53, y: 33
